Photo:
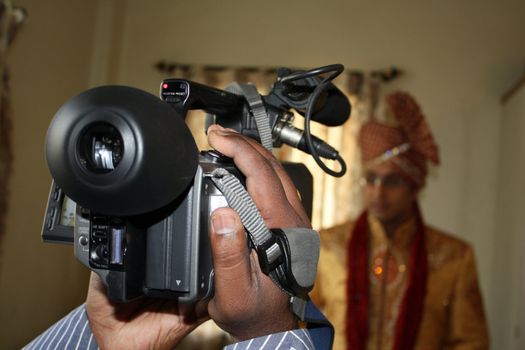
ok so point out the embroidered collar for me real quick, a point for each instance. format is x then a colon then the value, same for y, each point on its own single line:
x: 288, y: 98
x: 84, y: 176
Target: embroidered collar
x: 402, y: 236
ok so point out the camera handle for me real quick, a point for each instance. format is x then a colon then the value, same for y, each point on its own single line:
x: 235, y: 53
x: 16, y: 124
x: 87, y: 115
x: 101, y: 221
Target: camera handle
x: 288, y: 256
x: 262, y: 121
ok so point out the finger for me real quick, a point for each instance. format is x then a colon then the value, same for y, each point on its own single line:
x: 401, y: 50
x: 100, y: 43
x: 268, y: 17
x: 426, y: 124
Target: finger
x: 262, y: 182
x: 228, y: 140
x: 97, y: 289
x: 97, y: 302
x: 230, y: 252
x: 234, y: 278
x: 194, y: 314
x: 292, y: 194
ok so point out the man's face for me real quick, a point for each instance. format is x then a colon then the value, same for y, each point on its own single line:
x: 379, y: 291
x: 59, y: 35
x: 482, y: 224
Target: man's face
x: 388, y: 196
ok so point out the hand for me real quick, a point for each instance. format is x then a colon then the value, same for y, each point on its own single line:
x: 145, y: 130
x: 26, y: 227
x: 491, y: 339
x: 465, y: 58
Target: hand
x: 269, y: 185
x: 144, y: 323
x: 246, y: 302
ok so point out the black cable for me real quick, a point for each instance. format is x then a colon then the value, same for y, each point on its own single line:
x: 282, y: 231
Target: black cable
x: 343, y: 165
x: 336, y: 69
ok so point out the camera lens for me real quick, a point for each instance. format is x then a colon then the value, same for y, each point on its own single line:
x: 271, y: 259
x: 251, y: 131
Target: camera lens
x: 101, y: 148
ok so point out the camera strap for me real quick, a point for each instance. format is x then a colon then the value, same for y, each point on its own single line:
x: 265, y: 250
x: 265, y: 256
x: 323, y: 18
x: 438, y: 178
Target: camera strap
x: 249, y: 91
x: 288, y: 256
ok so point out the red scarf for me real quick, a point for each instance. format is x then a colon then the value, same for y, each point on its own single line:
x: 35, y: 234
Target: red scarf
x: 411, y: 309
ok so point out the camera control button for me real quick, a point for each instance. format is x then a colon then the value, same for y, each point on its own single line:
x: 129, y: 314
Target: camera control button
x: 100, y: 254
x: 100, y: 219
x: 172, y: 99
x: 56, y: 194
x: 99, y: 233
x: 83, y: 240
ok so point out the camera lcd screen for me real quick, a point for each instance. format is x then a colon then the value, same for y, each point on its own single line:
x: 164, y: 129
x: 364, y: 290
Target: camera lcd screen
x: 67, y: 216
x: 59, y: 222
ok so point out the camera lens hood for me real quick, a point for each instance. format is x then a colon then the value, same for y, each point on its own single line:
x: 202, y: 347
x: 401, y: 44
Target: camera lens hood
x: 153, y: 161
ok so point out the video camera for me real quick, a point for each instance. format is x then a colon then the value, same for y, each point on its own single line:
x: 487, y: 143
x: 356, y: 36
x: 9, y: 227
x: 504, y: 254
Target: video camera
x: 133, y: 194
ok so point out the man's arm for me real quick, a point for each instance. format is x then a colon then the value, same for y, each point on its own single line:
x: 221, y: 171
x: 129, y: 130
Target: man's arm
x: 73, y: 332
x: 292, y: 339
x: 468, y: 328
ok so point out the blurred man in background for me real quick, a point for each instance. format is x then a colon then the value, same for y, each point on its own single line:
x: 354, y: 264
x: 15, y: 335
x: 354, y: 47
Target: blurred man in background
x: 388, y: 281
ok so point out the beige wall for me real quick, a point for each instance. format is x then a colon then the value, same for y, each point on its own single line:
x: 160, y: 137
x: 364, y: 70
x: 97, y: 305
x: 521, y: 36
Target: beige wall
x: 507, y: 271
x: 459, y: 58
x: 49, y: 63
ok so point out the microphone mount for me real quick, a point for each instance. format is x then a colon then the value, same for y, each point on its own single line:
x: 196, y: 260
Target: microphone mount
x: 308, y: 92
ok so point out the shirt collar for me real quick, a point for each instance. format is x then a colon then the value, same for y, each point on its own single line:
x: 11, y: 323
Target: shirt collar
x: 402, y: 236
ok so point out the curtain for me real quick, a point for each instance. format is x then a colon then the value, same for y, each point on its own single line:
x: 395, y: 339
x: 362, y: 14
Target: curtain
x: 11, y: 19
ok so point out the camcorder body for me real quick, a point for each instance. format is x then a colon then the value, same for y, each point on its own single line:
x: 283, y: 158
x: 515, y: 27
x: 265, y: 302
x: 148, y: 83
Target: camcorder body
x: 165, y: 253
x: 133, y: 194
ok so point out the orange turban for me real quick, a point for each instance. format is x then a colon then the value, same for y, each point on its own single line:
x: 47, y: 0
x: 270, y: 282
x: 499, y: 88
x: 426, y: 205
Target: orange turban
x: 408, y: 146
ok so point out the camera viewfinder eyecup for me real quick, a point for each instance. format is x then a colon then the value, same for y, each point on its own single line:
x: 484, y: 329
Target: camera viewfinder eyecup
x: 126, y: 152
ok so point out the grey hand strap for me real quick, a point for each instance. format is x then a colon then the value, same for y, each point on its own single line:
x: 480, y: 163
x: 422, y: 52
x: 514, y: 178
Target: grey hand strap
x: 249, y: 91
x: 288, y: 256
x: 239, y: 199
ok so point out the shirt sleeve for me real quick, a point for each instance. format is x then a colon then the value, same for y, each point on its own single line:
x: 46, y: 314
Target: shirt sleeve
x: 298, y: 339
x: 468, y: 328
x: 70, y: 333
x: 74, y: 333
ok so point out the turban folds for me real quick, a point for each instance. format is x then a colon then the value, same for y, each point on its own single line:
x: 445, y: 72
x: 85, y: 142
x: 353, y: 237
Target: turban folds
x: 408, y: 145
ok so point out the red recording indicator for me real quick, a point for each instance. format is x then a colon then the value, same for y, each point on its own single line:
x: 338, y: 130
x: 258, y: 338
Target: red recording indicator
x: 165, y: 85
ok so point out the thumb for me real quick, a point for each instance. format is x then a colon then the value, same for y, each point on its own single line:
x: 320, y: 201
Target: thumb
x: 231, y: 260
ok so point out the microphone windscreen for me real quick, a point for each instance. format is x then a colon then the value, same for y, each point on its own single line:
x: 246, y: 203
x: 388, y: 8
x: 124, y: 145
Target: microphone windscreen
x: 335, y: 109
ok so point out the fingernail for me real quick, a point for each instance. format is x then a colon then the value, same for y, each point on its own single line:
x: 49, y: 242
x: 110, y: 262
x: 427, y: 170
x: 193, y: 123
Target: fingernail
x: 217, y: 127
x: 223, y: 224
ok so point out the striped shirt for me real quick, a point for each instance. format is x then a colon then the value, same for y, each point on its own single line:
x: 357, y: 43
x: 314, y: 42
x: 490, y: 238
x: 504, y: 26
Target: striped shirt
x: 74, y: 333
